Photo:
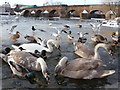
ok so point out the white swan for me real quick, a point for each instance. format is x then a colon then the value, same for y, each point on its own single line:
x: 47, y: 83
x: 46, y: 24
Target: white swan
x: 81, y: 68
x: 83, y: 51
x: 31, y: 47
x: 28, y: 61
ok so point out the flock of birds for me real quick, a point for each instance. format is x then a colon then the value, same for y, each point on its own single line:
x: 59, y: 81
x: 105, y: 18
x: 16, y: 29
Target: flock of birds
x: 31, y: 56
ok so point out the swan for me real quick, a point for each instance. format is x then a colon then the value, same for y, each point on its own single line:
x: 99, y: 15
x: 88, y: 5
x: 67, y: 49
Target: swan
x: 83, y: 51
x: 27, y: 61
x: 31, y: 47
x: 81, y: 68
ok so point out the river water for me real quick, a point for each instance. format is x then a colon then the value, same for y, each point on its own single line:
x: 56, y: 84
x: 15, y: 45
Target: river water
x: 24, y: 25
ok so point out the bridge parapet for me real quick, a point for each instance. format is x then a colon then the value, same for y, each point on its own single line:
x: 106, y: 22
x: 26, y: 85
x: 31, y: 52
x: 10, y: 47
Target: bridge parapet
x: 99, y: 11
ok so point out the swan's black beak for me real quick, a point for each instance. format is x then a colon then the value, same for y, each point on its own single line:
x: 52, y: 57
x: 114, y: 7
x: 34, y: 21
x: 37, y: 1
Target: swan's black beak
x: 59, y: 48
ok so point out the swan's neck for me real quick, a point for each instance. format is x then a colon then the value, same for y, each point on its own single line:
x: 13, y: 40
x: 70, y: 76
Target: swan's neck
x: 96, y: 54
x: 50, y: 48
x: 101, y: 45
x: 43, y: 66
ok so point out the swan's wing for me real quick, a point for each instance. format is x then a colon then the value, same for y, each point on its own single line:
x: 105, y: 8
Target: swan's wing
x: 74, y: 74
x: 19, y: 67
x: 32, y: 47
x: 23, y: 58
x: 82, y: 51
x: 83, y: 64
x: 103, y: 73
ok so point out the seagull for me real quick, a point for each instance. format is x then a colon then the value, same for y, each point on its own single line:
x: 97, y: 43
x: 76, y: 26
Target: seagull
x: 95, y: 27
x: 81, y: 38
x: 12, y: 28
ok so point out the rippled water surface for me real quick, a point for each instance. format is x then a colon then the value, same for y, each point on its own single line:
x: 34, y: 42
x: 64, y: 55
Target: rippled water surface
x: 24, y: 27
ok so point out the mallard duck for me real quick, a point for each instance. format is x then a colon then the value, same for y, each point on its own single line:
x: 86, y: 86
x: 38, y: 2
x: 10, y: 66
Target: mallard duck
x: 31, y: 47
x: 14, y: 37
x: 97, y: 38
x: 25, y: 59
x: 33, y: 28
x: 66, y: 27
x: 81, y: 68
x: 79, y: 26
x: 83, y: 51
x: 33, y: 39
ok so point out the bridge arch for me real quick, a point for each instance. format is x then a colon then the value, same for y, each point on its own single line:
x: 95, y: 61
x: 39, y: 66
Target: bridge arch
x: 53, y: 13
x: 96, y: 14
x: 70, y: 13
x: 38, y: 13
x: 26, y: 13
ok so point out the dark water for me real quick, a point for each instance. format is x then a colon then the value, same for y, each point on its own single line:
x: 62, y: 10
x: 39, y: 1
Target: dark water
x: 24, y: 27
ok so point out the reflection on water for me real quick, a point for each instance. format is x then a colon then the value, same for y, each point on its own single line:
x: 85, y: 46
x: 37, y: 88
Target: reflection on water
x: 24, y: 27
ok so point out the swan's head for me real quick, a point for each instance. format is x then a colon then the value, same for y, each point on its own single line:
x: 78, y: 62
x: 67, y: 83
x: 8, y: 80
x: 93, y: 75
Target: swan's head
x: 62, y: 63
x: 54, y: 43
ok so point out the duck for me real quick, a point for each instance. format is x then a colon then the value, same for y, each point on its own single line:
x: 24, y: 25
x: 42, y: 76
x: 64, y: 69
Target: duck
x: 28, y: 61
x: 14, y: 37
x: 33, y: 39
x: 97, y: 38
x: 31, y: 47
x: 81, y: 68
x: 83, y: 51
x: 79, y: 26
x: 33, y: 28
x: 66, y: 27
x: 69, y: 34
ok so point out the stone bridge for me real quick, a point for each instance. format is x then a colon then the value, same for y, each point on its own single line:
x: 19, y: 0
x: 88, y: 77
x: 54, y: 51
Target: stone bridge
x: 82, y: 11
